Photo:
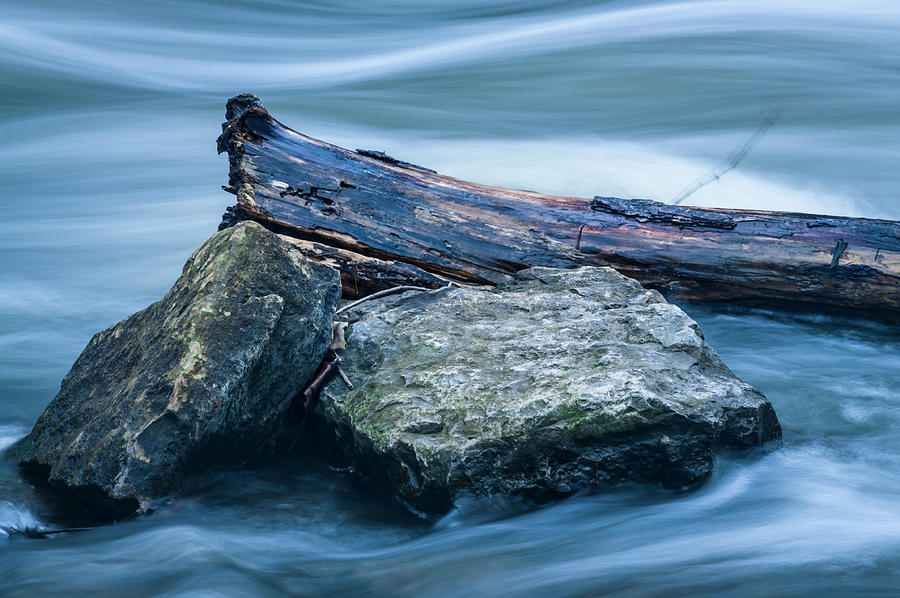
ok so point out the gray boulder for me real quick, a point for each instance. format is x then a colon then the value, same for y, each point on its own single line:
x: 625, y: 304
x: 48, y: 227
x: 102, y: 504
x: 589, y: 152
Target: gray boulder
x: 202, y: 377
x: 555, y: 381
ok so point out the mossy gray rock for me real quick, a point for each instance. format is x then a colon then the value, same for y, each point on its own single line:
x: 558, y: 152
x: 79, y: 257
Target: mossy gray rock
x: 555, y: 381
x: 202, y: 377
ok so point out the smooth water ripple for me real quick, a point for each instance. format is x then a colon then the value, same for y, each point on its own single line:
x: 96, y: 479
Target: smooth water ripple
x: 110, y: 111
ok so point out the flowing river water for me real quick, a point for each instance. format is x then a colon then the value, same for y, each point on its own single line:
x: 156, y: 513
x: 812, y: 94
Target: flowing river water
x: 110, y: 179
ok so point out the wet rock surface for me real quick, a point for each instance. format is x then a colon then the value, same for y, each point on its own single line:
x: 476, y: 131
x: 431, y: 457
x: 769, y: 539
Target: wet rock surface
x: 200, y: 378
x: 553, y: 382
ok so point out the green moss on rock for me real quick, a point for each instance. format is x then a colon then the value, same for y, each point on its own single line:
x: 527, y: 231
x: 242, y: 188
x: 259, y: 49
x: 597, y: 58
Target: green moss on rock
x: 557, y: 379
x: 199, y: 378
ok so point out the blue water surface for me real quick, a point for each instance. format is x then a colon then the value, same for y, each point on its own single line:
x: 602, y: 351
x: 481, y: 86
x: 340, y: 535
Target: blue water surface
x: 110, y: 178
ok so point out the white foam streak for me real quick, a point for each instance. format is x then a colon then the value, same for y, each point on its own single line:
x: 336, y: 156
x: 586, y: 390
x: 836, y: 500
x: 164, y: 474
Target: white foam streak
x: 9, y: 434
x: 13, y: 516
x: 274, y: 60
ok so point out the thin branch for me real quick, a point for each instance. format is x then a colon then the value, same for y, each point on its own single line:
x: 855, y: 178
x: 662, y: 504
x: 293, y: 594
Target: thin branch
x: 383, y: 293
x: 34, y: 532
x: 344, y: 377
x: 331, y: 361
x: 735, y: 158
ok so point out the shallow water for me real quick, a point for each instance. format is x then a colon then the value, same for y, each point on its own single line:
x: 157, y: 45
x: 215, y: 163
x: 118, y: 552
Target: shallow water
x: 107, y: 131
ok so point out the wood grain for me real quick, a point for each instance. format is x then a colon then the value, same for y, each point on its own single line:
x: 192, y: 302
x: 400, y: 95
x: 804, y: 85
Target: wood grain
x: 384, y: 222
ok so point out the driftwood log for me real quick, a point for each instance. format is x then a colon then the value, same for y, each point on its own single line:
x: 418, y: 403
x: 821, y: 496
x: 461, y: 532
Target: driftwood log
x: 384, y: 223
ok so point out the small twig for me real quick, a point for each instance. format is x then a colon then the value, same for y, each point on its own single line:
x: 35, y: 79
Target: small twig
x: 383, y: 293
x: 578, y: 240
x: 836, y: 253
x: 33, y: 532
x: 313, y: 388
x: 332, y: 361
x: 344, y: 377
x: 310, y: 394
x: 735, y: 158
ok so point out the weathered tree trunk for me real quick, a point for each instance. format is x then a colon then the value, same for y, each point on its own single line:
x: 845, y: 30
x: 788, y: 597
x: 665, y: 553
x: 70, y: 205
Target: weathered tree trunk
x: 383, y: 222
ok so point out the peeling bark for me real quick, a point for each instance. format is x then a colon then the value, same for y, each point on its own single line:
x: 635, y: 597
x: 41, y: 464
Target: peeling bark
x: 384, y: 222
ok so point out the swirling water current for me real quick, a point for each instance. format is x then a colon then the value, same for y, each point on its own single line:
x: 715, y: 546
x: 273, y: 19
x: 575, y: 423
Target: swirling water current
x: 110, y: 179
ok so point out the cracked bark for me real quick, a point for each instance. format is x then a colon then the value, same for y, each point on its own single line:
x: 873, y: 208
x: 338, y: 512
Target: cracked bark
x: 384, y: 222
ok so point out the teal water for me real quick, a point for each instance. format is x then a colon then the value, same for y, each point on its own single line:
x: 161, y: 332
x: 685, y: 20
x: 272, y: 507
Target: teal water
x: 110, y: 179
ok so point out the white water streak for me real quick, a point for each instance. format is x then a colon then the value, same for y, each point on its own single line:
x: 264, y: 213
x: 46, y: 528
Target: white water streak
x: 99, y: 51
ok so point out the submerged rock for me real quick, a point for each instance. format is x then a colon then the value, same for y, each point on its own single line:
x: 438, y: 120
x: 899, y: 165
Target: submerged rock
x: 201, y: 377
x: 555, y: 381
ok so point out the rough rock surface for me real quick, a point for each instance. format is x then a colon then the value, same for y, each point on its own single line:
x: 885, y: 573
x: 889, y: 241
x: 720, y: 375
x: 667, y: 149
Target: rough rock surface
x: 555, y: 381
x: 201, y: 377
